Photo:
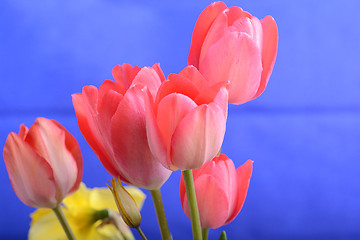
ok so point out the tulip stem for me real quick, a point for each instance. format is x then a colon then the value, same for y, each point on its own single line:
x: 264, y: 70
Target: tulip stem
x: 193, y: 207
x: 60, y: 215
x: 205, y: 233
x: 160, y: 213
x: 141, y: 233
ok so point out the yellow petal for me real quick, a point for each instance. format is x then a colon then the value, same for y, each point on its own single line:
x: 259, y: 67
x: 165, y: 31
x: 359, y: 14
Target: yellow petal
x: 102, y: 198
x: 46, y: 227
x: 39, y: 214
x: 79, y: 210
x: 79, y: 199
x: 100, y: 232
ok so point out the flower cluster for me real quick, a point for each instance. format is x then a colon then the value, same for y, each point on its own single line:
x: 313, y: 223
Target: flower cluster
x: 142, y: 126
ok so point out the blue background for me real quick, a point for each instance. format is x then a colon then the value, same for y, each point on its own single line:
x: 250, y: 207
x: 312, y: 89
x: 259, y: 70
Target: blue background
x: 303, y: 133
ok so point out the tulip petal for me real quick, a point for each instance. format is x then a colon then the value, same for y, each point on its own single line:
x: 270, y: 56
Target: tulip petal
x: 171, y: 110
x: 235, y: 58
x: 222, y: 169
x: 198, y: 137
x: 129, y: 120
x: 160, y: 73
x: 23, y: 131
x: 192, y: 73
x: 269, y: 51
x: 148, y: 77
x: 49, y: 142
x: 220, y: 101
x: 234, y: 13
x: 206, y: 93
x: 251, y: 26
x: 105, y: 87
x: 86, y: 114
x: 216, y: 32
x: 107, y: 106
x: 243, y: 179
x: 177, y: 84
x: 124, y: 75
x: 202, y: 26
x: 30, y: 175
x: 157, y: 142
x: 73, y: 147
x: 212, y: 202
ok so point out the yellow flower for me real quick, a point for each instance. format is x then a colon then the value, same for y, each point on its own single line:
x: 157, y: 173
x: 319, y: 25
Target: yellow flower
x: 91, y: 214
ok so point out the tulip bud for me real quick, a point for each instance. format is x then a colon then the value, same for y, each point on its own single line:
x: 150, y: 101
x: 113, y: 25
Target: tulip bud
x: 126, y: 204
x: 231, y: 45
x: 44, y: 163
x: 220, y: 191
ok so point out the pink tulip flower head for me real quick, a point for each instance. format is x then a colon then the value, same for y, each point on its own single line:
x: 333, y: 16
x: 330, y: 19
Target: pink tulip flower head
x: 112, y: 120
x: 220, y: 191
x: 186, y: 123
x: 44, y: 163
x: 228, y: 44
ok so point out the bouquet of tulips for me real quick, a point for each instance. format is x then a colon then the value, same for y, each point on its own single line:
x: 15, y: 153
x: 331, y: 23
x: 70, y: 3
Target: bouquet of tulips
x: 142, y: 126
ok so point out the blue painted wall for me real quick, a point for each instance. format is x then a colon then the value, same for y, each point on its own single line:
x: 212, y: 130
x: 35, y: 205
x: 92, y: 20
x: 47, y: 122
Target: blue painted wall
x: 303, y: 133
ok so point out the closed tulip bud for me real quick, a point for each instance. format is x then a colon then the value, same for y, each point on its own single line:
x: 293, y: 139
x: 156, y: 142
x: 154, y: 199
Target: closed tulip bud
x: 44, y: 163
x: 126, y: 204
x: 186, y: 123
x: 220, y: 191
x: 229, y: 44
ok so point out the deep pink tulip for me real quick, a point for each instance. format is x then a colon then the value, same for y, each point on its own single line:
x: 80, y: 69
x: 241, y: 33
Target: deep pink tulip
x: 186, y: 123
x: 44, y: 163
x: 220, y: 191
x: 112, y: 120
x: 228, y: 44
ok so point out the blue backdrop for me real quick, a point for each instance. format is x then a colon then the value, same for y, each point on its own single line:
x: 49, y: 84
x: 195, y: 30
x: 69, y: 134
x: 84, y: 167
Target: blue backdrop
x: 303, y: 133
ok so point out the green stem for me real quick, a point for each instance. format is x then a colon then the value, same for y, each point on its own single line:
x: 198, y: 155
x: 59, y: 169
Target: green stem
x: 141, y: 233
x: 205, y: 233
x: 59, y: 214
x: 193, y: 207
x: 160, y: 213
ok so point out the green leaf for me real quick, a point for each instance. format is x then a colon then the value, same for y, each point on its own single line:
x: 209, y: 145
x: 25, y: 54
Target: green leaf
x: 223, y: 236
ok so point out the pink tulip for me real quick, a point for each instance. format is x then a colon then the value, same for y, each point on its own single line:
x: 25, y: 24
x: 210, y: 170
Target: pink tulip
x: 220, y: 191
x: 228, y: 44
x: 112, y: 120
x: 186, y: 123
x: 44, y: 163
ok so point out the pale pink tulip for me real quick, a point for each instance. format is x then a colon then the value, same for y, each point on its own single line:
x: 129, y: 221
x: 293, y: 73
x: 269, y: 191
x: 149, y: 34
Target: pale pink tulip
x: 44, y: 163
x: 228, y: 44
x: 186, y: 123
x: 112, y: 120
x: 220, y: 191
